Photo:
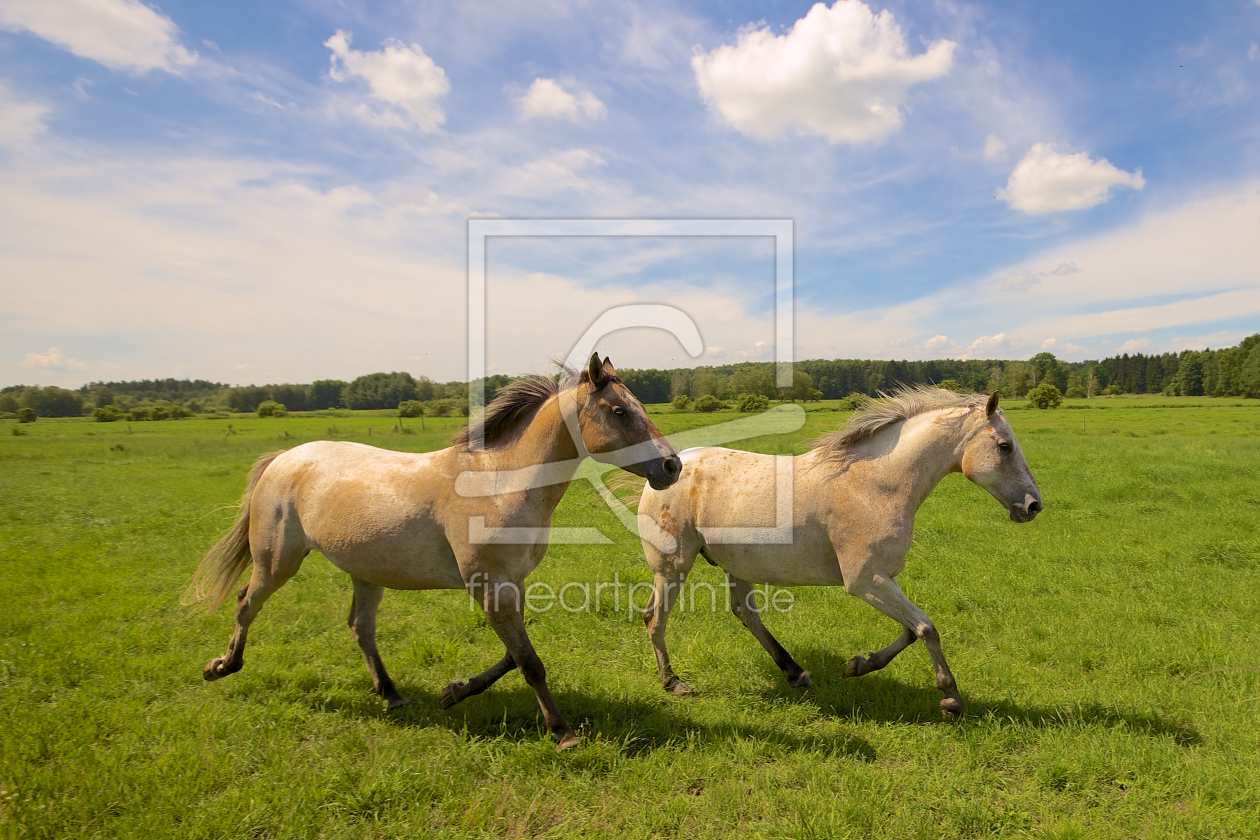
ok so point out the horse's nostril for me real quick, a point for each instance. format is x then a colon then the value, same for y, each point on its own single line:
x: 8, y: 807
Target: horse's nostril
x: 673, y: 466
x: 1034, y: 506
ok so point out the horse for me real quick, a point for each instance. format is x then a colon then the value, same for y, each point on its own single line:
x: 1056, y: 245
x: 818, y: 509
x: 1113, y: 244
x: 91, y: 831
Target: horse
x: 854, y: 498
x: 418, y: 521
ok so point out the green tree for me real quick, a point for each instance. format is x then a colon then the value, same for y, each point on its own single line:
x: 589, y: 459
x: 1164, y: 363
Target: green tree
x: 26, y: 414
x: 752, y: 402
x: 708, y: 403
x: 380, y: 390
x: 680, y: 402
x: 325, y: 393
x: 410, y: 408
x: 1045, y: 396
x: 107, y: 414
x: 271, y: 408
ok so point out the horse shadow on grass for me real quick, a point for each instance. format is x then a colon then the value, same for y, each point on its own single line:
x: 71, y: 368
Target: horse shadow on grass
x: 885, y: 698
x: 510, y: 712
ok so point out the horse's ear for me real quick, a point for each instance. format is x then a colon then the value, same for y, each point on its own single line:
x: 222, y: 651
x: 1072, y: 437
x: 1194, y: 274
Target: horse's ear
x: 609, y: 370
x: 992, y: 404
x: 595, y: 371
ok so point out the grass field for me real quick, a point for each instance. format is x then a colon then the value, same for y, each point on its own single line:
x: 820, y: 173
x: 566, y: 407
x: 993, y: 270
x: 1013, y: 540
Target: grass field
x: 1109, y: 653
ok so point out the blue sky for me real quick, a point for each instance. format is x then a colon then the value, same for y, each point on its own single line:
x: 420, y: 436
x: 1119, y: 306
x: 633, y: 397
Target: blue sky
x: 265, y: 192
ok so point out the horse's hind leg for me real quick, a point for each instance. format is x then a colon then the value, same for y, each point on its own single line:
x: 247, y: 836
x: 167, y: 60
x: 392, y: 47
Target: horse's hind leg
x: 744, y: 605
x: 885, y: 595
x: 859, y: 665
x: 263, y: 581
x: 459, y: 690
x: 363, y: 606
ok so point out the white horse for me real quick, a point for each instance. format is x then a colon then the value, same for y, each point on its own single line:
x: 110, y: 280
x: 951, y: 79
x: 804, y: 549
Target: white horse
x: 854, y: 497
x: 402, y: 521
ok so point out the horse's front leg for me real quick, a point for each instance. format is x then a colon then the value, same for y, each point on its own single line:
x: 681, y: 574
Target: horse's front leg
x: 502, y: 602
x: 885, y: 595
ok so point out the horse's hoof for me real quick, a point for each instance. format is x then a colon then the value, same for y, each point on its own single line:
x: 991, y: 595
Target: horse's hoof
x: 801, y: 680
x: 216, y: 669
x: 951, y: 708
x: 855, y: 667
x: 449, y: 697
x: 568, y: 741
x: 681, y: 689
x: 398, y: 701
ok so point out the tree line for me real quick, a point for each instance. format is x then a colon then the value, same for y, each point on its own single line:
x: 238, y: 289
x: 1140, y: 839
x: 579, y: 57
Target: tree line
x: 1225, y: 372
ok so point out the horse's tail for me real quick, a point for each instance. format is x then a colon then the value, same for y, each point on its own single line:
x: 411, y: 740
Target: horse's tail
x: 223, y: 564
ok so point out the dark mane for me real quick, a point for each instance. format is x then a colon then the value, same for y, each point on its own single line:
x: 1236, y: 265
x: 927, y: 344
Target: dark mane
x: 515, y: 402
x: 904, y: 402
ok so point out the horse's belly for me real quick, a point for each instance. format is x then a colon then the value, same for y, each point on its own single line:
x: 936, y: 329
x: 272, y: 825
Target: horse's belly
x: 399, y: 563
x: 778, y: 565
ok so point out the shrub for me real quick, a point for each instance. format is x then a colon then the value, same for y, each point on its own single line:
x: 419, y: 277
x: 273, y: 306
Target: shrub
x: 271, y: 408
x: 139, y: 413
x: 410, y: 408
x: 853, y: 402
x: 1045, y: 396
x: 680, y: 402
x: 709, y: 403
x: 107, y: 414
x: 1112, y: 390
x: 953, y: 385
x: 752, y: 402
x: 178, y: 412
x: 26, y: 415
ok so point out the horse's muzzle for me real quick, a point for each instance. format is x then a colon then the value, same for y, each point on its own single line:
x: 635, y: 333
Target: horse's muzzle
x: 1026, y: 510
x: 663, y: 473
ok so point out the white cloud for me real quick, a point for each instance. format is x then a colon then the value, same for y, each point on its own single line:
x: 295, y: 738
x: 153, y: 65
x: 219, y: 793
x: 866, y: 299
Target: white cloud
x: 121, y: 34
x: 990, y: 347
x: 398, y: 74
x: 994, y: 149
x: 1021, y: 281
x: 1134, y: 345
x: 1253, y: 54
x: 841, y: 72
x: 1064, y: 269
x: 20, y: 120
x: 1046, y: 181
x: 546, y: 98
x: 715, y: 352
x: 937, y: 342
x: 54, y: 359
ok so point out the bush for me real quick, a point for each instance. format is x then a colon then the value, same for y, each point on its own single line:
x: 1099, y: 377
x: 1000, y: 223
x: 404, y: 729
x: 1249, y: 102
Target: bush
x: 140, y: 413
x: 410, y: 408
x: 26, y: 415
x: 271, y: 408
x: 709, y: 403
x: 1112, y: 391
x: 107, y: 414
x: 953, y: 385
x: 1045, y: 396
x: 752, y: 402
x: 680, y: 402
x: 853, y: 402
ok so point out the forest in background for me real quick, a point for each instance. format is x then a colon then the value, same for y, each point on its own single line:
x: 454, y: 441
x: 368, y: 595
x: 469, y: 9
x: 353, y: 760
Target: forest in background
x: 1225, y: 372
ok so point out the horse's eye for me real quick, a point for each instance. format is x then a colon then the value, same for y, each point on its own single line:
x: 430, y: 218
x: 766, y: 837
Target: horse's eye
x: 619, y: 411
x: 1005, y: 446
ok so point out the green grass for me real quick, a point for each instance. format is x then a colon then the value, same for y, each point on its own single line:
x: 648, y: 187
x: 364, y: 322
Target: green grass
x: 1107, y: 652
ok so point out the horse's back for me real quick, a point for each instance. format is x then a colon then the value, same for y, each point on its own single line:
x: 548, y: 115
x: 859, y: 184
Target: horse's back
x: 375, y: 513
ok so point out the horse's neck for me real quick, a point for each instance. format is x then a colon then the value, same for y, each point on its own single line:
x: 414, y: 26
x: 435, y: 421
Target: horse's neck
x: 928, y: 448
x: 545, y: 447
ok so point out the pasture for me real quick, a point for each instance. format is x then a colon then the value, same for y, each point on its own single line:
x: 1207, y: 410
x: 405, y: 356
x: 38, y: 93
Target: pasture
x: 1108, y: 654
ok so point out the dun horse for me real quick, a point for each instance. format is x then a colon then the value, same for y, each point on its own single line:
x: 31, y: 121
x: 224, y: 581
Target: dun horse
x: 854, y: 500
x: 397, y: 520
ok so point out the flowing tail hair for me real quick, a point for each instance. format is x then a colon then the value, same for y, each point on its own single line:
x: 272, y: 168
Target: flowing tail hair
x: 223, y: 564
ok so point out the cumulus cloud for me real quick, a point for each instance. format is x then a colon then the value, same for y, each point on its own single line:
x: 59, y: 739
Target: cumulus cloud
x: 992, y: 347
x: 121, y: 34
x: 715, y: 352
x: 398, y: 74
x: 994, y: 149
x: 54, y: 359
x: 841, y: 72
x: 1046, y: 181
x: 546, y: 98
x: 1134, y: 345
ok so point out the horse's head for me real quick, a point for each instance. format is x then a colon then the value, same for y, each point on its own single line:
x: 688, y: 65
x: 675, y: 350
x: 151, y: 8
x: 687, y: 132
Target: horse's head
x: 992, y: 458
x: 616, y: 429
